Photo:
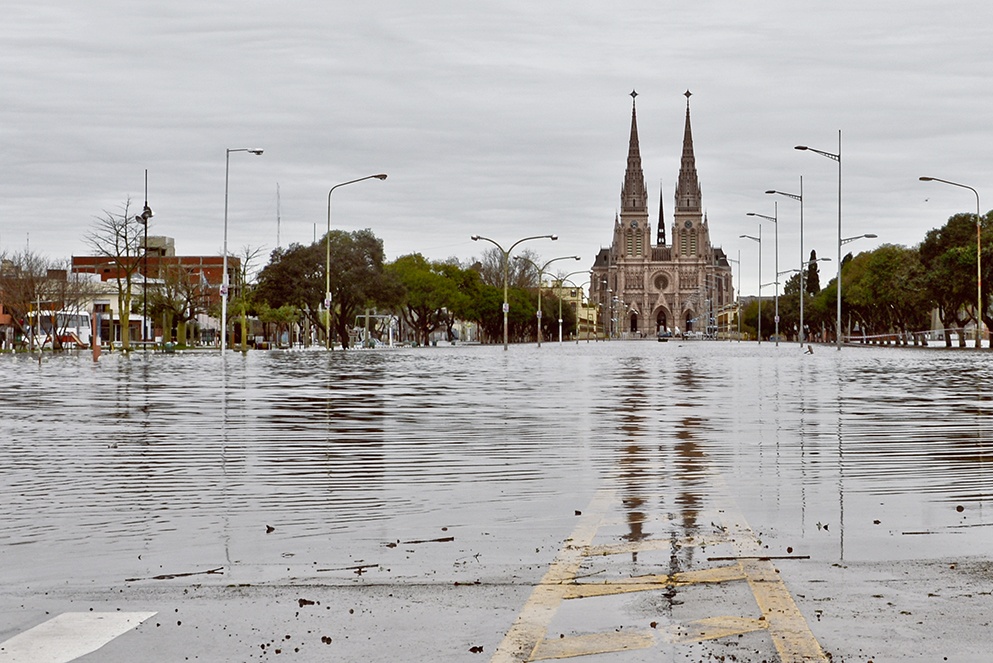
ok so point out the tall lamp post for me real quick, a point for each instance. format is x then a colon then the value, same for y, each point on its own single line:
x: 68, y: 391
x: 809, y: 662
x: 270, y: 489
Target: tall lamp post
x: 561, y: 281
x: 835, y: 157
x: 846, y: 240
x: 775, y: 221
x: 979, y: 258
x: 506, y: 271
x: 224, y: 276
x: 541, y: 273
x: 327, y: 265
x: 738, y: 293
x: 143, y: 219
x: 803, y: 290
x: 759, y: 240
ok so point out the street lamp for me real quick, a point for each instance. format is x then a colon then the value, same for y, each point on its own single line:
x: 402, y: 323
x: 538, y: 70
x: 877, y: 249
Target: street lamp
x: 846, y: 240
x: 224, y: 276
x: 506, y: 269
x: 143, y: 219
x: 865, y: 236
x: 759, y: 240
x: 541, y: 273
x: 979, y: 257
x: 738, y: 292
x: 561, y: 281
x: 775, y: 220
x: 835, y: 157
x: 327, y: 265
x: 797, y: 197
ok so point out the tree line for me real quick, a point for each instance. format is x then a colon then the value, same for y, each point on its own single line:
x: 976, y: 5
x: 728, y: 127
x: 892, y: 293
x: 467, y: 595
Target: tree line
x: 889, y: 293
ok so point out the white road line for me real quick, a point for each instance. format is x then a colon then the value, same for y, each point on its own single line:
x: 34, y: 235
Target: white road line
x: 68, y: 636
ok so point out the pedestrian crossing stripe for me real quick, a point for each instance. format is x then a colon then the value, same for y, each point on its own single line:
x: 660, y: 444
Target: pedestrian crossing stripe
x: 68, y: 636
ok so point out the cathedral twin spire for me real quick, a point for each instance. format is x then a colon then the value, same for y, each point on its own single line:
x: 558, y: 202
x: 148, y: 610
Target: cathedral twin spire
x: 634, y: 195
x: 688, y: 186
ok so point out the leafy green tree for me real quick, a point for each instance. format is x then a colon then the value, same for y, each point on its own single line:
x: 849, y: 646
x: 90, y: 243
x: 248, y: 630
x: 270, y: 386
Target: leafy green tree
x: 948, y: 255
x: 294, y: 277
x: 464, y: 301
x: 426, y: 293
x: 358, y: 277
x: 885, y: 287
x: 813, y: 281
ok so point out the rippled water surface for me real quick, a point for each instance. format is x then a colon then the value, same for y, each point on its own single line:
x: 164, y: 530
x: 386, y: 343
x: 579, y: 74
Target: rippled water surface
x: 133, y: 466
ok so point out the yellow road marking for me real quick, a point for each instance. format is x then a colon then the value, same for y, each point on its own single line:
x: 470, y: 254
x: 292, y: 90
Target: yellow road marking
x: 789, y: 630
x: 713, y: 628
x: 527, y: 638
x: 594, y: 643
x: 651, y: 545
x: 528, y: 631
x: 652, y: 583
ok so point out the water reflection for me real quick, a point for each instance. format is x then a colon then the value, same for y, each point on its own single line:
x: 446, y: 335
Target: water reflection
x: 157, y: 453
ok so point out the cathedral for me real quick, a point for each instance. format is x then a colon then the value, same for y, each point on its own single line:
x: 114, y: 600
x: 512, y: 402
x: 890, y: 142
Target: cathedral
x: 645, y: 289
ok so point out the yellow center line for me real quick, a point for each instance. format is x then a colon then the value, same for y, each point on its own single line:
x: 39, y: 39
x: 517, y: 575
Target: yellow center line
x: 788, y: 628
x: 780, y: 617
x: 528, y: 631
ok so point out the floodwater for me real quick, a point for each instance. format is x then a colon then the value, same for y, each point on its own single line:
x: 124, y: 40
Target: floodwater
x: 305, y: 464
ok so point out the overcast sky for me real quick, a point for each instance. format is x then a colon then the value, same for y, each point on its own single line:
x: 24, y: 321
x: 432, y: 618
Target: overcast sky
x: 505, y: 119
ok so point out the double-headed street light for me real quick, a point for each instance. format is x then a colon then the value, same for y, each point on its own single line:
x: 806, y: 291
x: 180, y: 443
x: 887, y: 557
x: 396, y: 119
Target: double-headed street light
x: 979, y: 258
x: 541, y: 273
x: 327, y: 265
x: 835, y: 157
x: 506, y: 272
x: 759, y: 240
x: 775, y: 221
x: 797, y: 197
x: 224, y: 276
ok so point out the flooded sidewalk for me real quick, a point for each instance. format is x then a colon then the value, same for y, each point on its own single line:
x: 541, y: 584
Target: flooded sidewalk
x: 599, y: 502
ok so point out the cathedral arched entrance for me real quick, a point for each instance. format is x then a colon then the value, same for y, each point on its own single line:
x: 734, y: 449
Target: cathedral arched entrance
x: 661, y: 321
x: 633, y: 319
x: 690, y: 317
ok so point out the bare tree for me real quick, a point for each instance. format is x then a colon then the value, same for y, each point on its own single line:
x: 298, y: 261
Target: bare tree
x: 22, y: 280
x: 69, y: 292
x: 246, y: 277
x: 520, y: 274
x: 117, y: 237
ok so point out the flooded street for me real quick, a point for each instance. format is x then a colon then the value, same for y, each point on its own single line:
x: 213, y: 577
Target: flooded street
x: 424, y: 493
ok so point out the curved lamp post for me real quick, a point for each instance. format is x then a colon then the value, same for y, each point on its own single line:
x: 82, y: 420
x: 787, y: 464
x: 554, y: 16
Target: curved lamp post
x: 799, y: 198
x: 224, y: 276
x: 541, y: 273
x: 327, y: 265
x: 979, y: 258
x: 561, y: 281
x: 835, y: 157
x: 775, y: 220
x: 759, y: 240
x: 506, y: 269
